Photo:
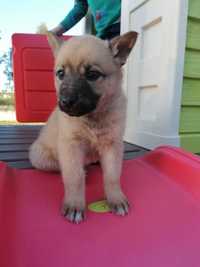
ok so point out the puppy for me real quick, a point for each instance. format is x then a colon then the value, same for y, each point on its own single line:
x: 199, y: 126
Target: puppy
x: 88, y: 123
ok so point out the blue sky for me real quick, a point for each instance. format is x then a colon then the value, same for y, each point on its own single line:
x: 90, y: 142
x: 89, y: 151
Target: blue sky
x: 25, y: 16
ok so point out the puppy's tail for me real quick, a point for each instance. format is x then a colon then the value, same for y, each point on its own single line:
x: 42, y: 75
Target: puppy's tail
x: 42, y: 29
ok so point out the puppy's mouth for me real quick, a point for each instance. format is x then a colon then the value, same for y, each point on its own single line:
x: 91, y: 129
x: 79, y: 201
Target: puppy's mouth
x: 78, y: 107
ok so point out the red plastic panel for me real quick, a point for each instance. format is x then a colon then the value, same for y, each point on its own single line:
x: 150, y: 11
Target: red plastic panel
x: 35, y: 95
x: 38, y: 58
x: 44, y: 102
x: 161, y: 230
x: 35, y: 80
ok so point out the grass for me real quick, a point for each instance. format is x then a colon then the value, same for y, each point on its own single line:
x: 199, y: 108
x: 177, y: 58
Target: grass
x: 5, y: 122
x: 7, y: 108
x: 7, y: 99
x: 7, y: 104
x: 9, y: 123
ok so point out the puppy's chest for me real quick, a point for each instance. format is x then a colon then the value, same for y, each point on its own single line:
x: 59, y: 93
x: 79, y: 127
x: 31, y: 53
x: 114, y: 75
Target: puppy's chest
x: 101, y: 140
x: 98, y: 135
x: 102, y: 134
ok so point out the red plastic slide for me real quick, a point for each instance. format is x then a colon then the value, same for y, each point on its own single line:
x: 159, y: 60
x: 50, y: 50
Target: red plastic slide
x: 162, y: 229
x: 35, y: 95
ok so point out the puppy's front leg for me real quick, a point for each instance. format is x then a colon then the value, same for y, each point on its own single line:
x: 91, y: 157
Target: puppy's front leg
x: 72, y: 168
x: 111, y: 162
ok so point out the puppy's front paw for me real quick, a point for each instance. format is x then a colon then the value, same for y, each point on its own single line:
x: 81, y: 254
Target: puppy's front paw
x: 73, y: 214
x: 119, y: 206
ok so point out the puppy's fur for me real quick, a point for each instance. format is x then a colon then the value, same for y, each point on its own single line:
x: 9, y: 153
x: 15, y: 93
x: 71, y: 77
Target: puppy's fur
x: 88, y: 123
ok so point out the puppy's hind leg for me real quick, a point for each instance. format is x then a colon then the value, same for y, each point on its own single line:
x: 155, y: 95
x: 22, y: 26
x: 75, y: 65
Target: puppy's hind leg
x: 42, y: 158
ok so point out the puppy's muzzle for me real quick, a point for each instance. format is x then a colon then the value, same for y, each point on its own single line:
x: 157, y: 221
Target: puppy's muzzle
x: 79, y: 100
x: 68, y: 101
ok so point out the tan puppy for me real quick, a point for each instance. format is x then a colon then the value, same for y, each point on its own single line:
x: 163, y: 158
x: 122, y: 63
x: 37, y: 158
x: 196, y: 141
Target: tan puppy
x: 88, y: 123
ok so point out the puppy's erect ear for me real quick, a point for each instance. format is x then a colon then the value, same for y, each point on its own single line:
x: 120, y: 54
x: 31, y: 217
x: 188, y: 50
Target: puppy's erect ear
x: 54, y: 42
x: 121, y: 46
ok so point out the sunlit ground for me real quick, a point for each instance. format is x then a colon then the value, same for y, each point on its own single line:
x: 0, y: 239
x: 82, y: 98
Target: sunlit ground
x: 7, y: 110
x: 7, y: 115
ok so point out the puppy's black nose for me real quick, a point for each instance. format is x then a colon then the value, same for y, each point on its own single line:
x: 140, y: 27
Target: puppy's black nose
x: 68, y: 101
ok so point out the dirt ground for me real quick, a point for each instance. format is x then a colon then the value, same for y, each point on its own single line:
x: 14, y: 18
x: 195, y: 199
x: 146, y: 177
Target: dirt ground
x: 7, y: 115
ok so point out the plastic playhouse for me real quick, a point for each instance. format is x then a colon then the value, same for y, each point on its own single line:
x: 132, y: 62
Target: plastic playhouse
x: 35, y: 95
x: 163, y: 74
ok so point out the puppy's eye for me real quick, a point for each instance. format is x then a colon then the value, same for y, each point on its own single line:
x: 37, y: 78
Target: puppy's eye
x: 93, y: 75
x: 60, y: 74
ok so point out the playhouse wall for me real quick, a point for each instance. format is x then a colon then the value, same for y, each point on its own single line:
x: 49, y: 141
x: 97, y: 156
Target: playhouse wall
x: 153, y: 77
x: 190, y: 106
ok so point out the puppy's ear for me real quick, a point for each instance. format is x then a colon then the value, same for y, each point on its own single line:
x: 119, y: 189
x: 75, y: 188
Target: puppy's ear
x: 121, y: 46
x: 54, y: 42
